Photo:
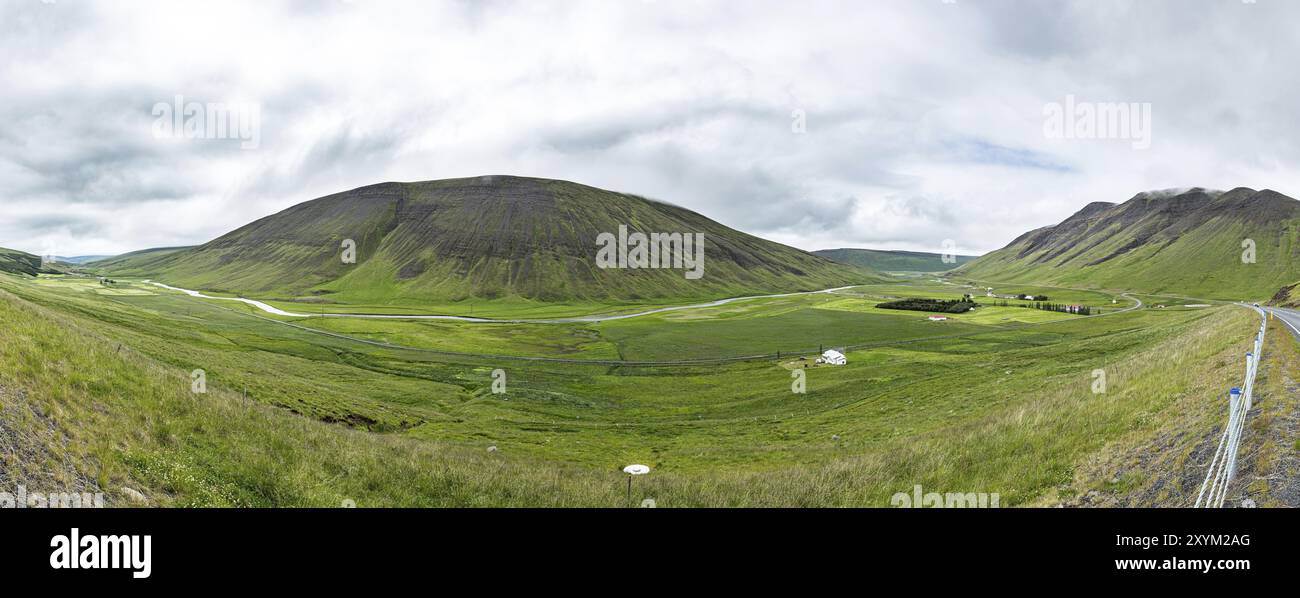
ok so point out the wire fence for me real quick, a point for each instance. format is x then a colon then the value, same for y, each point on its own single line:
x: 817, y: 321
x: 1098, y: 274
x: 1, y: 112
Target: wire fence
x: 1224, y: 465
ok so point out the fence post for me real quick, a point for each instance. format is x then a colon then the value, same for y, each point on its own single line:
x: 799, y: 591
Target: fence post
x: 1224, y: 463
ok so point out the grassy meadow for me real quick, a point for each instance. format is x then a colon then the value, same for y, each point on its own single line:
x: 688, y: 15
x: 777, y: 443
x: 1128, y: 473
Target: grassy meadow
x: 96, y: 385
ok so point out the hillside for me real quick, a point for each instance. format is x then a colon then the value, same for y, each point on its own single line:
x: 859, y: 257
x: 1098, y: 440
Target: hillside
x: 142, y: 260
x: 892, y: 261
x: 17, y: 262
x: 477, y: 238
x: 1287, y: 296
x: 1181, y: 242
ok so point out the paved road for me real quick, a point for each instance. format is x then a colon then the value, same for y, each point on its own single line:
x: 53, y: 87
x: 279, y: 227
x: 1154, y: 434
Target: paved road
x: 1137, y: 304
x: 1290, y: 317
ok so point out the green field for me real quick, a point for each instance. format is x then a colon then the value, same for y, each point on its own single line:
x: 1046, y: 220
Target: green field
x: 787, y: 325
x: 997, y: 400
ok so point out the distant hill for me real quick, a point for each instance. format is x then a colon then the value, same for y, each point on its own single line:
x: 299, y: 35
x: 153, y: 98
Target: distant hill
x: 1187, y: 242
x: 484, y: 237
x: 136, y: 261
x: 893, y: 261
x: 17, y: 262
x: 81, y: 259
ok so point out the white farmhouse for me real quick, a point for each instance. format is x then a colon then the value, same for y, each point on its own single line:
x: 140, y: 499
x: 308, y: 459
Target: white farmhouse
x: 832, y: 357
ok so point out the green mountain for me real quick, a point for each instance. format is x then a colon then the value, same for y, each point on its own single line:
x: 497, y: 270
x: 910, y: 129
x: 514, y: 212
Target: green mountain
x: 1190, y: 242
x: 892, y: 261
x: 17, y: 262
x: 494, y: 237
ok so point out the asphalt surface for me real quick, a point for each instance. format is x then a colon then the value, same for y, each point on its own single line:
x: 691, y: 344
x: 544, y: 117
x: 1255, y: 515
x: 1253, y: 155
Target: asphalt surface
x: 1290, y: 317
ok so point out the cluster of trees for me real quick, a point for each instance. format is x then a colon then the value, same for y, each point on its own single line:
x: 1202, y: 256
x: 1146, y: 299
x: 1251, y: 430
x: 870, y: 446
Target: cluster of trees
x: 943, y: 306
x: 1024, y: 297
x: 1082, y: 310
x: 967, y: 302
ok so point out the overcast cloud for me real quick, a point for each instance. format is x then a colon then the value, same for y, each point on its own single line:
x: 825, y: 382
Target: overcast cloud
x: 924, y: 118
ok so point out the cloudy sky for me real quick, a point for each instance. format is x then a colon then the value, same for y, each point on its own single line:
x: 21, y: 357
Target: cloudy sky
x: 887, y: 123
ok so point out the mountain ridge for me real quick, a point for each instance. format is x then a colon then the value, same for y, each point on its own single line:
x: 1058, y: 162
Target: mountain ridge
x: 1193, y: 242
x: 885, y: 260
x: 19, y: 262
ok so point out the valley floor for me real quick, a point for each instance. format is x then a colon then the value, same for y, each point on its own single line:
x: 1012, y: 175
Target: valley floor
x: 96, y: 390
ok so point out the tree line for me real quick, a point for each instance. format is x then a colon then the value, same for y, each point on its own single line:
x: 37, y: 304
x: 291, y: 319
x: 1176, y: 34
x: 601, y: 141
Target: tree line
x: 943, y: 306
x: 1082, y: 310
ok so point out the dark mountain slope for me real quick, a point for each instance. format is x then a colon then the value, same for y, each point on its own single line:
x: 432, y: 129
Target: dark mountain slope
x: 1186, y: 242
x: 17, y: 262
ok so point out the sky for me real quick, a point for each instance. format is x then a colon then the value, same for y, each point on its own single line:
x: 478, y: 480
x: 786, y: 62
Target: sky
x: 926, y: 125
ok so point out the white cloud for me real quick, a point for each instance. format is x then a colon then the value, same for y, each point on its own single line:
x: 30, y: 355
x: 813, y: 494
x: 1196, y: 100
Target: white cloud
x: 925, y: 119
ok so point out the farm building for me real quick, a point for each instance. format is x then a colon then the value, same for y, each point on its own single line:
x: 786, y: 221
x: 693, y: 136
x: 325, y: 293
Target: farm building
x: 938, y: 318
x: 832, y: 357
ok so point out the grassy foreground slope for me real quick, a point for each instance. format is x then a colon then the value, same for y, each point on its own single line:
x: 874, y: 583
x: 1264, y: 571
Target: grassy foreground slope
x: 893, y: 261
x: 82, y: 413
x: 1187, y: 243
x: 95, y: 387
x: 484, y: 238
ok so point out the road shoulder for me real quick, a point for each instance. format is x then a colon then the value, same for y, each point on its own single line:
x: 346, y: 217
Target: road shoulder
x: 1269, y: 470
